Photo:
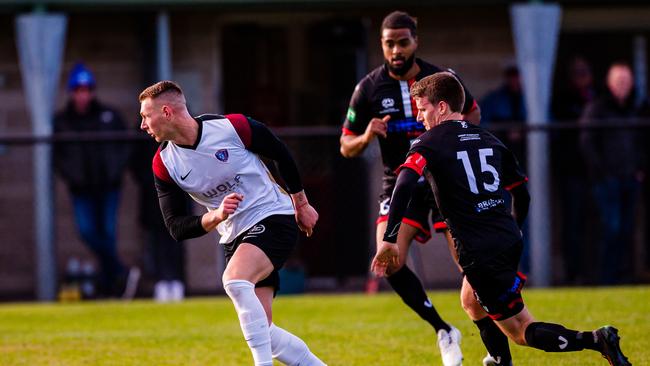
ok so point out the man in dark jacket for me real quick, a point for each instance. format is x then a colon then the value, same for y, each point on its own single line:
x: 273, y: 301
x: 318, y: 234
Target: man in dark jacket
x: 614, y: 160
x: 93, y: 172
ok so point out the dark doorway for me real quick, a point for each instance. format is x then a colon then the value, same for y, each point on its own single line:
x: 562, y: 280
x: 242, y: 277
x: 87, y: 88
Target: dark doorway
x: 257, y: 72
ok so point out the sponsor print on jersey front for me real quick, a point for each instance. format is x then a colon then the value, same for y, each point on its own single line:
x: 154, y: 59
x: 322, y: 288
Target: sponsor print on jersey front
x: 227, y: 187
x: 408, y: 124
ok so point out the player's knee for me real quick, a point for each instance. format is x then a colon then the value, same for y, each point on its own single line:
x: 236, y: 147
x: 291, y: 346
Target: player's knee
x: 473, y: 309
x: 236, y: 288
x: 519, y: 338
x: 231, y: 275
x: 518, y: 334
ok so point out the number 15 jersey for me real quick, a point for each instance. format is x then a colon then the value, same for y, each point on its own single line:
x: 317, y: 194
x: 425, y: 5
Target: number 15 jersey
x: 470, y: 172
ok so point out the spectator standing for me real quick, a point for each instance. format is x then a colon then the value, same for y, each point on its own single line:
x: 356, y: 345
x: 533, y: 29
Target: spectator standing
x: 573, y: 94
x: 614, y: 159
x: 506, y: 105
x: 93, y: 173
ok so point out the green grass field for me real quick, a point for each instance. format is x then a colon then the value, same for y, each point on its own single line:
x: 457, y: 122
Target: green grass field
x: 342, y: 329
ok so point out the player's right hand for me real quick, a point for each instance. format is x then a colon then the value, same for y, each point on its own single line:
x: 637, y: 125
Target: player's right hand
x: 306, y: 217
x: 228, y: 206
x: 387, y: 254
x: 377, y: 127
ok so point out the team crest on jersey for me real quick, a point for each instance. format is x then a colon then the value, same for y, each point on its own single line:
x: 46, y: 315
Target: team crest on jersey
x: 222, y: 155
x: 388, y: 103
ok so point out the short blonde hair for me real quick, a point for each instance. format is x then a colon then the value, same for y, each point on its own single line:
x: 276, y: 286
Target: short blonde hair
x: 441, y: 86
x: 160, y: 88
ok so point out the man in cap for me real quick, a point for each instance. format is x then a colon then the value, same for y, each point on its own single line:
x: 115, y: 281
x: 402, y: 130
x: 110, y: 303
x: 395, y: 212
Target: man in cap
x: 93, y: 173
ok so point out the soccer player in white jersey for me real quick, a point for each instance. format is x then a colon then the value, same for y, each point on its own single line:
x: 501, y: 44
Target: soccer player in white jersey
x: 215, y: 159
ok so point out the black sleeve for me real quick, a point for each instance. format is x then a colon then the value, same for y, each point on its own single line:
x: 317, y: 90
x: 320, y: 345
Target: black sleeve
x: 178, y: 220
x: 406, y: 182
x: 265, y: 143
x: 512, y: 173
x: 520, y: 203
x: 514, y: 180
x: 358, y: 114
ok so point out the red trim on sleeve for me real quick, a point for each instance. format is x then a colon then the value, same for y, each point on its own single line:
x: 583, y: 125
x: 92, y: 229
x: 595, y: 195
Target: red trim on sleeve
x: 348, y: 132
x: 159, y: 168
x: 515, y: 184
x: 243, y: 128
x: 414, y: 161
x: 423, y: 235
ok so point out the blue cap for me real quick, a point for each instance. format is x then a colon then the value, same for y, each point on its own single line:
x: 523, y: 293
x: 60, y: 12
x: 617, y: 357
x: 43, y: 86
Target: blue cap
x: 80, y: 76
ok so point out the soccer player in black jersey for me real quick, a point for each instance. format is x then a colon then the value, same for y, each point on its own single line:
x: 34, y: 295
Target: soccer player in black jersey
x: 382, y: 108
x: 470, y: 172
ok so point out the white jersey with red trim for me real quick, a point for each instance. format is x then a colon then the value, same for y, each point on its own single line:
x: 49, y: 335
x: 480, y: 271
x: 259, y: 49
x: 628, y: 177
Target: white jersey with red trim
x: 220, y: 164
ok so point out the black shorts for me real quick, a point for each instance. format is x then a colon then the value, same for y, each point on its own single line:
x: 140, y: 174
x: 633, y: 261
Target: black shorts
x: 417, y: 213
x: 276, y: 236
x: 497, y: 283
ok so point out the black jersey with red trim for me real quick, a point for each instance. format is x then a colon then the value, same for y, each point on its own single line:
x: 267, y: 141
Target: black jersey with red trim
x: 470, y: 171
x: 378, y: 95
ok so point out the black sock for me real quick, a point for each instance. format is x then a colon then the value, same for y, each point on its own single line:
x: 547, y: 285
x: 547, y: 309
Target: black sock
x: 556, y: 338
x: 494, y: 340
x: 409, y: 288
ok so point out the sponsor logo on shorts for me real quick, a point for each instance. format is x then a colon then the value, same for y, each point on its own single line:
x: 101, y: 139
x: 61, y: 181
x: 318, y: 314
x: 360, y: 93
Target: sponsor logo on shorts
x: 257, y: 229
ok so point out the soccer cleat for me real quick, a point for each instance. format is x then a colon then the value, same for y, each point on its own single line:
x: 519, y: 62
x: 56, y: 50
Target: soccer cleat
x: 449, y: 344
x: 607, y: 338
x: 491, y: 361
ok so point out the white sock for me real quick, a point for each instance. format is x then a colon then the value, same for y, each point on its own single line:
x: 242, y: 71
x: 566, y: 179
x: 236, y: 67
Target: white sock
x: 291, y: 350
x: 252, y: 319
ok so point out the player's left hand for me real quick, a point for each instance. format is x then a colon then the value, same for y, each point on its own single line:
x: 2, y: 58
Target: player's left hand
x: 387, y: 254
x: 306, y: 217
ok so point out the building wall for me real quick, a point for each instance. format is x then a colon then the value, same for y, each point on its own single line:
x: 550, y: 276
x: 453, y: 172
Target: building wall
x: 113, y: 46
x: 476, y: 42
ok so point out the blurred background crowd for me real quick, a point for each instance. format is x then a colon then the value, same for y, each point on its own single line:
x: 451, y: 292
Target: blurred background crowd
x: 294, y: 65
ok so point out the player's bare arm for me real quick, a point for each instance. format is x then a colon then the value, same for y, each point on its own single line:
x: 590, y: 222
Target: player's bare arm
x: 352, y: 146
